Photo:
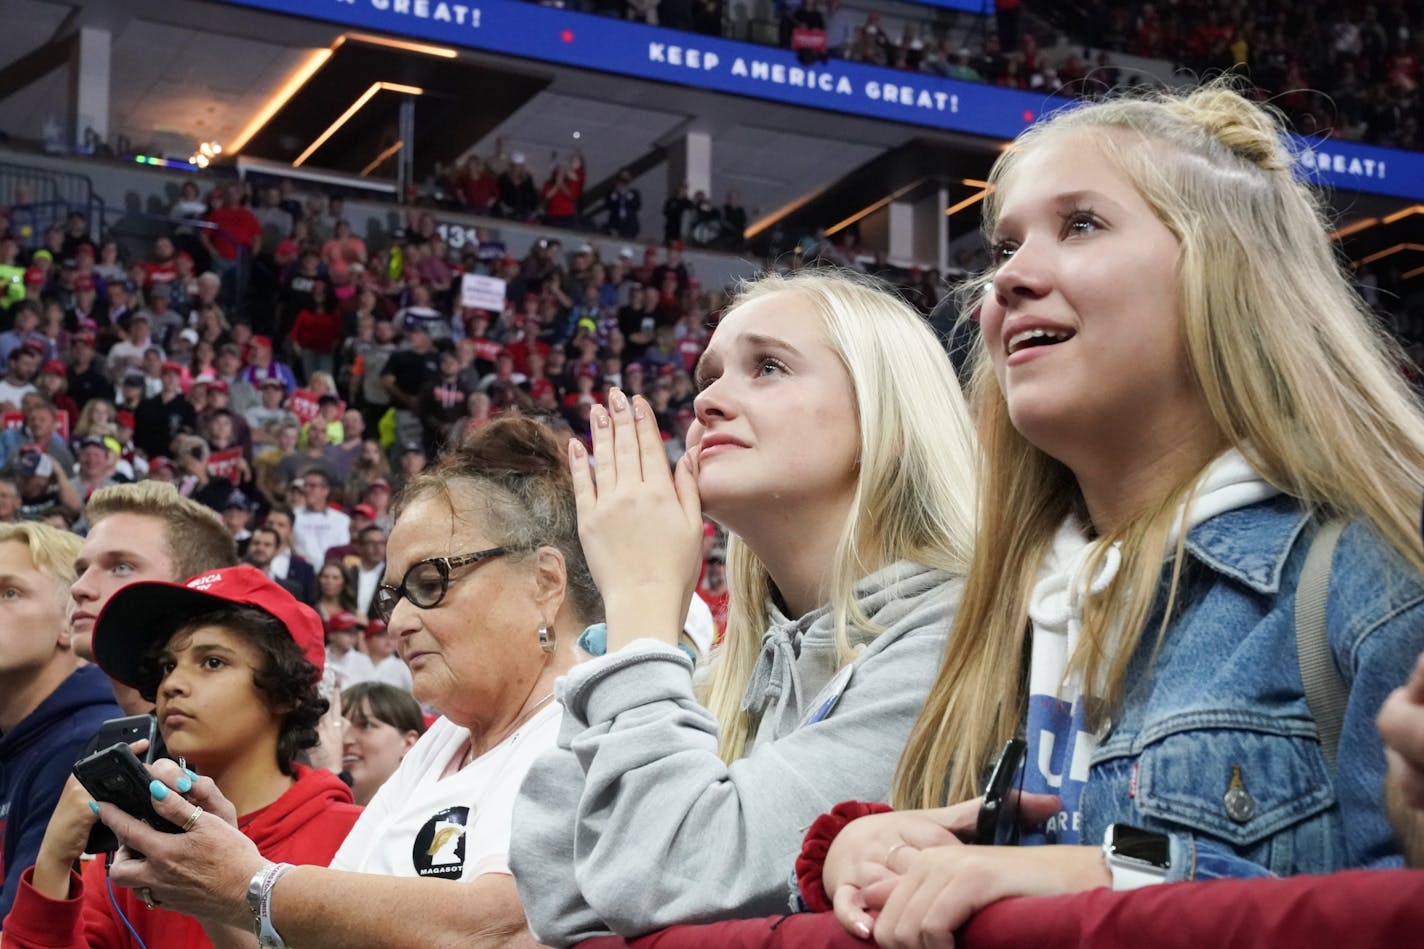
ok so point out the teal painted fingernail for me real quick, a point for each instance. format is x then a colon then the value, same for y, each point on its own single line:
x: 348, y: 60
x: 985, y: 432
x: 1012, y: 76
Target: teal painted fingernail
x: 191, y: 773
x: 184, y: 784
x: 156, y: 788
x: 93, y: 807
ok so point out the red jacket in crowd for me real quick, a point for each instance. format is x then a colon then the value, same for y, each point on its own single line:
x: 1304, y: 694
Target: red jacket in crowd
x: 305, y: 825
x: 317, y: 331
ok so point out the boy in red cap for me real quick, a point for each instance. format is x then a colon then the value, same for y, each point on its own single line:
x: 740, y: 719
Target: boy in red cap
x: 343, y: 629
x: 233, y: 663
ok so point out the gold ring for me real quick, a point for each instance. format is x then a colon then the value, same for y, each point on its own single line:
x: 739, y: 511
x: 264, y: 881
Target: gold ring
x: 192, y: 820
x: 890, y: 854
x: 145, y: 894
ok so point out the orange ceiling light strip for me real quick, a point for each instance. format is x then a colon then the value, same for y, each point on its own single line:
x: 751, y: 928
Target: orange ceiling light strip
x: 444, y: 52
x: 1355, y: 228
x: 768, y: 220
x: 1397, y: 248
x: 1400, y: 215
x: 314, y: 61
x: 299, y: 77
x: 376, y: 162
x: 872, y: 208
x: 967, y: 202
x: 1411, y: 274
x: 357, y: 106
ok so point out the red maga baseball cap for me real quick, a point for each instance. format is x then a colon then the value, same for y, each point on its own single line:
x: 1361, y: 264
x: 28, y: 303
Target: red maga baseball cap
x: 343, y: 621
x: 141, y: 614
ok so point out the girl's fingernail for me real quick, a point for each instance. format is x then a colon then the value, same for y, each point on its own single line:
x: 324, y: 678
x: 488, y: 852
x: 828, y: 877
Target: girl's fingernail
x: 639, y: 412
x: 156, y: 788
x: 619, y: 401
x: 576, y: 448
x: 93, y: 807
x: 602, y: 418
x: 861, y: 929
x: 191, y: 773
x: 184, y: 784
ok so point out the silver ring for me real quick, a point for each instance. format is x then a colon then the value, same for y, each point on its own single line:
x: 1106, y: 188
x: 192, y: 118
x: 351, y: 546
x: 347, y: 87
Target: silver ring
x: 145, y: 894
x: 192, y: 820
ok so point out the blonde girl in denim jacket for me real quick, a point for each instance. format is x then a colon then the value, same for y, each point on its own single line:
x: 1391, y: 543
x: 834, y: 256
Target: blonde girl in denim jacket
x: 1177, y: 386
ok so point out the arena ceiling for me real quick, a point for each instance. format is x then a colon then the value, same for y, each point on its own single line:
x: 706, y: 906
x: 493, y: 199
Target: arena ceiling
x: 188, y: 71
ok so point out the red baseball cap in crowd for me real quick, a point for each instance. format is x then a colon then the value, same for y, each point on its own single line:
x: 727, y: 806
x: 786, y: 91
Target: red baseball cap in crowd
x: 365, y: 510
x: 375, y: 627
x: 83, y: 336
x: 539, y: 387
x: 262, y: 341
x: 55, y: 366
x: 142, y: 614
x: 84, y: 282
x: 125, y: 418
x: 36, y: 276
x: 218, y: 385
x: 342, y: 621
x: 172, y: 367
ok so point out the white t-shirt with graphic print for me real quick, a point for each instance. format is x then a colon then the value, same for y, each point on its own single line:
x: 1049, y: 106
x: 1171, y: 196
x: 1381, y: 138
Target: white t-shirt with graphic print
x: 455, y: 827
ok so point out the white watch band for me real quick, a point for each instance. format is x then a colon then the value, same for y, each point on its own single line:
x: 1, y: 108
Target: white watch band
x: 1128, y: 877
x: 1127, y: 873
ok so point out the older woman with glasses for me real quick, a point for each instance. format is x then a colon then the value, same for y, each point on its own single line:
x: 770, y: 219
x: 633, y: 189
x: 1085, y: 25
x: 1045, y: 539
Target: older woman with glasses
x: 486, y: 589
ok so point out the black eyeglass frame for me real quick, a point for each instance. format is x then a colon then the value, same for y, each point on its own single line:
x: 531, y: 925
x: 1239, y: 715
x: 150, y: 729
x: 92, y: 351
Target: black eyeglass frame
x: 443, y: 565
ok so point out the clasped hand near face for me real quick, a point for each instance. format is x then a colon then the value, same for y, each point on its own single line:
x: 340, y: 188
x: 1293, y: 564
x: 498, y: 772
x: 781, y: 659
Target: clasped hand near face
x: 1401, y: 724
x: 639, y: 523
x: 202, y: 871
x: 913, y: 877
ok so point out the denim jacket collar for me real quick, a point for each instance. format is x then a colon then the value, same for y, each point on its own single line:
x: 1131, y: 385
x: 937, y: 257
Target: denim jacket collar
x: 1250, y: 544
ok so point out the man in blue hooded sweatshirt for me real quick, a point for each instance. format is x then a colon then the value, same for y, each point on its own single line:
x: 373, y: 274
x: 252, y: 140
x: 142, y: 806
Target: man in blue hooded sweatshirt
x: 50, y: 703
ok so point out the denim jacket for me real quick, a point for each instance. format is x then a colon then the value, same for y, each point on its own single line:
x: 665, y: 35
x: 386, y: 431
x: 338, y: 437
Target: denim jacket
x: 1214, y: 745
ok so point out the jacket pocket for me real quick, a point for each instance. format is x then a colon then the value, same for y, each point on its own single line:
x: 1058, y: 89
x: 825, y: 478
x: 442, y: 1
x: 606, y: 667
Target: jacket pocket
x: 1263, y: 793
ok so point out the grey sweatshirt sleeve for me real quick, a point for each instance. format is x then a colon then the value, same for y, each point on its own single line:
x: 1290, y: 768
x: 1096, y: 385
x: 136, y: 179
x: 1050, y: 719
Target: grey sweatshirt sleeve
x: 634, y: 823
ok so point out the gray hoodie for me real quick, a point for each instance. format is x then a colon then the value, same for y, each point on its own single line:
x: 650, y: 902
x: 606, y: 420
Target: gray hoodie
x: 633, y: 823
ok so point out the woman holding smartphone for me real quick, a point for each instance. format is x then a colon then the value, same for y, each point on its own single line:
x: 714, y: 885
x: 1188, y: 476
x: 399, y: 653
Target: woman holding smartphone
x: 232, y: 663
x: 1180, y: 391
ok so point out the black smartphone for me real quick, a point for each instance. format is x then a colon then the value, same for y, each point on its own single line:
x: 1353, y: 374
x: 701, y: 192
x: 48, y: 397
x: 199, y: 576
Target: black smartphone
x: 129, y: 729
x: 116, y: 775
x: 998, y: 822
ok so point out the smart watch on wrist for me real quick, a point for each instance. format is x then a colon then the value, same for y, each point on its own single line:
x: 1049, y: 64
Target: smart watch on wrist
x: 1136, y: 857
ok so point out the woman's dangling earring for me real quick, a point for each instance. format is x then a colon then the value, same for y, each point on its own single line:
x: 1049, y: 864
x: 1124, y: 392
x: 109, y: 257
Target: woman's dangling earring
x: 546, y: 638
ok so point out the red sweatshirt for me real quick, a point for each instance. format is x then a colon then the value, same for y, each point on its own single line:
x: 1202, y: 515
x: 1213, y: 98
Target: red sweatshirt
x: 305, y: 825
x: 316, y: 330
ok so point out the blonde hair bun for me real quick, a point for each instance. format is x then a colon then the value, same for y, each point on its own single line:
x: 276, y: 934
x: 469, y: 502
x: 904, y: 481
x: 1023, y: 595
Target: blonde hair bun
x: 1247, y: 129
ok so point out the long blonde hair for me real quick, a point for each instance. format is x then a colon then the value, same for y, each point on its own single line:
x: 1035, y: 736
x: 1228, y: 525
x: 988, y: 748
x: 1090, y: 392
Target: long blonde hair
x: 1292, y: 367
x: 914, y: 491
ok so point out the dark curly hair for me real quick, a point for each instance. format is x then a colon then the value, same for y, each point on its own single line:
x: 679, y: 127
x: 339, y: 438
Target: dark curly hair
x: 286, y: 679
